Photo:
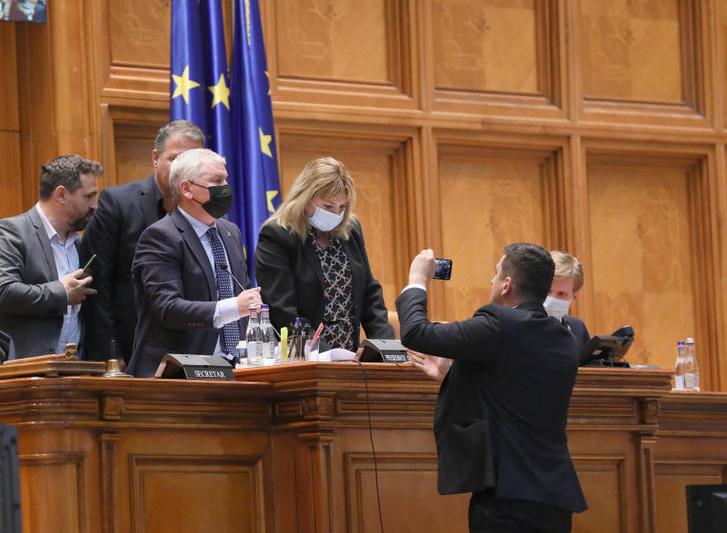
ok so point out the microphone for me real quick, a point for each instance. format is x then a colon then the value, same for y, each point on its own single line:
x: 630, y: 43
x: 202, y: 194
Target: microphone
x: 226, y: 268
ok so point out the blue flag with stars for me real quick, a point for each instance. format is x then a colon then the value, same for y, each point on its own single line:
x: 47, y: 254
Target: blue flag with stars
x: 256, y: 183
x: 200, y: 90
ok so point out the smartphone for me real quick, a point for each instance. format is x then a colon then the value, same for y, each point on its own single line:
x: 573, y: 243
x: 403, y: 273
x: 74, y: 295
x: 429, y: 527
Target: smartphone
x: 444, y: 269
x: 88, y: 268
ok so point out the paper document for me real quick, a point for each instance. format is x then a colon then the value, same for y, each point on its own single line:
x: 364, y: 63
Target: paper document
x: 337, y: 354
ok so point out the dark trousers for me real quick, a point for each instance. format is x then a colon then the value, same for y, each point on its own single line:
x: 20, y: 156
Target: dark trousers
x: 488, y: 514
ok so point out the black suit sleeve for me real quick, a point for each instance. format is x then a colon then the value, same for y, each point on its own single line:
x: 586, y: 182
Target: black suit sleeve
x: 158, y: 265
x: 475, y: 339
x: 374, y: 316
x: 102, y: 237
x: 274, y: 273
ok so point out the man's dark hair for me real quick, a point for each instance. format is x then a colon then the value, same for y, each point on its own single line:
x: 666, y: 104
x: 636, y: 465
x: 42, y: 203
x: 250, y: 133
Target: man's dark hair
x: 65, y: 170
x: 531, y: 269
x: 185, y: 128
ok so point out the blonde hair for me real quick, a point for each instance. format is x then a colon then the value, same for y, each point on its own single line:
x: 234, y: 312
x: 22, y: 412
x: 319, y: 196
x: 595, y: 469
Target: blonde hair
x: 324, y: 177
x: 568, y: 266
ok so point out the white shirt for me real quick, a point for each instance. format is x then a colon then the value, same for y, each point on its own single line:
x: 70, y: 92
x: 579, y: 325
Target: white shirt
x: 226, y: 310
x: 65, y: 256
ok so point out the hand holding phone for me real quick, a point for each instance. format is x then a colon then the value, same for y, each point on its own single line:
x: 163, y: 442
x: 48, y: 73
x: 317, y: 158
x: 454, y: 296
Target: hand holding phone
x: 444, y: 269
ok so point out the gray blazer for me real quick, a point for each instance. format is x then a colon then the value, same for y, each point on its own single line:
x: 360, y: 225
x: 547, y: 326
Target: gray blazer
x: 32, y: 299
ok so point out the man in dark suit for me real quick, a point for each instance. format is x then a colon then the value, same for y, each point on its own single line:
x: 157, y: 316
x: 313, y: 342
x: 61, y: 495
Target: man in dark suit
x: 41, y: 282
x: 567, y: 283
x: 187, y: 268
x: 500, y: 422
x: 123, y: 213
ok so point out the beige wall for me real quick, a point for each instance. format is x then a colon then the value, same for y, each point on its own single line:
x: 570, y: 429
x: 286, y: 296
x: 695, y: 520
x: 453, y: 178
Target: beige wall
x: 596, y: 127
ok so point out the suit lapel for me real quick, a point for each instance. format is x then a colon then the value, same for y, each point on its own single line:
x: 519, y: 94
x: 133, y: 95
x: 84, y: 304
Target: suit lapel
x: 42, y: 237
x: 357, y: 270
x: 147, y: 201
x: 195, y: 245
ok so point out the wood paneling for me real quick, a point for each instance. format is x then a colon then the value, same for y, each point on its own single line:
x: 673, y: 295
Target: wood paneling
x: 479, y: 196
x: 476, y: 48
x: 634, y: 51
x: 642, y: 244
x: 602, y: 479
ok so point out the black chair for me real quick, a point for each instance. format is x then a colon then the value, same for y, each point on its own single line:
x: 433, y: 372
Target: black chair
x: 707, y: 508
x: 10, y: 519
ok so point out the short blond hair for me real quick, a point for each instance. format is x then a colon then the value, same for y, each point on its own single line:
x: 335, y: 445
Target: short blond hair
x: 568, y: 266
x: 324, y: 177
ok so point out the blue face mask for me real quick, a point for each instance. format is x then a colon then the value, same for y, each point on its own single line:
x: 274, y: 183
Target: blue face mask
x: 324, y: 220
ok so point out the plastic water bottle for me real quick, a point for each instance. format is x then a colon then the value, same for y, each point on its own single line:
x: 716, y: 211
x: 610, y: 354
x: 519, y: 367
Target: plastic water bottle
x: 691, y: 367
x: 267, y: 336
x: 679, y: 368
x: 253, y: 338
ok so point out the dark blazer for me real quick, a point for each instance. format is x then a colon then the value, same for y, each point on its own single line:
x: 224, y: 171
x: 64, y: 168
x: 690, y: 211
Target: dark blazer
x: 176, y: 293
x: 578, y: 328
x: 291, y: 279
x: 32, y: 298
x: 123, y: 213
x: 500, y: 421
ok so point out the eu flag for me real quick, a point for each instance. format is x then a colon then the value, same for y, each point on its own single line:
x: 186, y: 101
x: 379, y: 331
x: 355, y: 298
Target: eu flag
x: 256, y: 183
x: 200, y: 90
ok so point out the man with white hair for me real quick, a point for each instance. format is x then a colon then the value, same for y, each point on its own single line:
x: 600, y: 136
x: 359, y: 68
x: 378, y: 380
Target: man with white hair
x: 186, y: 270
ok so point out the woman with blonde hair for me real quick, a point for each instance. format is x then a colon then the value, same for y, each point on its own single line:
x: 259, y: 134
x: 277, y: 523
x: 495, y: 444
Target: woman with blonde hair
x: 311, y: 260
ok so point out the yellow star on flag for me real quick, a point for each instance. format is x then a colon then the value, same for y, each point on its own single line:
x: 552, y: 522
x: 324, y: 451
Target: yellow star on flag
x: 265, y: 141
x: 220, y: 92
x: 184, y: 85
x: 271, y: 195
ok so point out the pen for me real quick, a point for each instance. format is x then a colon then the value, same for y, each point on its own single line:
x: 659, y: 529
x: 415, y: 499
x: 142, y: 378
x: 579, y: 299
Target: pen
x: 317, y: 334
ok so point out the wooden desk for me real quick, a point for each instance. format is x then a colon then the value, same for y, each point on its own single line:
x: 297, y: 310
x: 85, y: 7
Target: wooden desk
x: 288, y: 450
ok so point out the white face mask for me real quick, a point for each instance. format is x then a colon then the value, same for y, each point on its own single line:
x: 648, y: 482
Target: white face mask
x: 324, y: 220
x: 556, y: 307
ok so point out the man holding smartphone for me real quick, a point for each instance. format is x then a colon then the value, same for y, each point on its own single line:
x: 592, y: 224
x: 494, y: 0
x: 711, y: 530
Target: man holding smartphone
x: 500, y: 422
x: 41, y: 284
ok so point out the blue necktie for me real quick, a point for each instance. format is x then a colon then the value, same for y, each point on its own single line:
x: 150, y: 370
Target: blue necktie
x: 230, y: 332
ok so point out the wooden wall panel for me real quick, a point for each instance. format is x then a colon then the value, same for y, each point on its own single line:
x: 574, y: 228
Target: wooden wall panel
x: 232, y: 485
x: 634, y: 51
x: 603, y: 481
x: 489, y: 198
x: 476, y: 49
x: 671, y: 480
x: 380, y: 187
x: 65, y: 470
x: 139, y: 33
x: 642, y: 255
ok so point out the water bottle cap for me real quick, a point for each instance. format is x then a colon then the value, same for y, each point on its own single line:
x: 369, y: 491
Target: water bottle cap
x: 680, y: 343
x: 690, y: 340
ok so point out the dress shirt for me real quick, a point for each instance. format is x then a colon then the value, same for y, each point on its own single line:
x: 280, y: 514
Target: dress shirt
x: 65, y: 256
x: 226, y: 310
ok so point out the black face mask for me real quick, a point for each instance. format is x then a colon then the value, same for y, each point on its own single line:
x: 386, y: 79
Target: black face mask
x: 220, y: 200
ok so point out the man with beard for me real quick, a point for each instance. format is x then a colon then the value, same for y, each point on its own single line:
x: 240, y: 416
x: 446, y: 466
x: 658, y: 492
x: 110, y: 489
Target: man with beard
x: 41, y: 284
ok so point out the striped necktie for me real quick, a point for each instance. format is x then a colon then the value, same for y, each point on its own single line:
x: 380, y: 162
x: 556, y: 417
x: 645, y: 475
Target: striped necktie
x: 230, y: 332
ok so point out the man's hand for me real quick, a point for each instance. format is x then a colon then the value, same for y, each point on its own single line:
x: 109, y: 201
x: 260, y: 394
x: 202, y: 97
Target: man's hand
x: 247, y: 298
x: 433, y: 366
x: 76, y: 285
x: 422, y: 267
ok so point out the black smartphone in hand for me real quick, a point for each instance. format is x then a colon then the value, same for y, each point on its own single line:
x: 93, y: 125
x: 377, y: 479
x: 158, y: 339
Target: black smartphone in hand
x: 88, y: 268
x: 444, y: 269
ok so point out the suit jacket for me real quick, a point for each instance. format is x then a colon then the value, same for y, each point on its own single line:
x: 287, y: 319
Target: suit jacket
x: 123, y: 213
x: 32, y: 299
x: 176, y: 293
x: 500, y: 421
x: 291, y: 279
x: 578, y: 328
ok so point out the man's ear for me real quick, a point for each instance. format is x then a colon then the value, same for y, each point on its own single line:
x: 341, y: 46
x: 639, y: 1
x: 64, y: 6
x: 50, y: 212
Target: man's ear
x: 575, y: 295
x: 59, y: 194
x: 155, y: 157
x: 507, y: 286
